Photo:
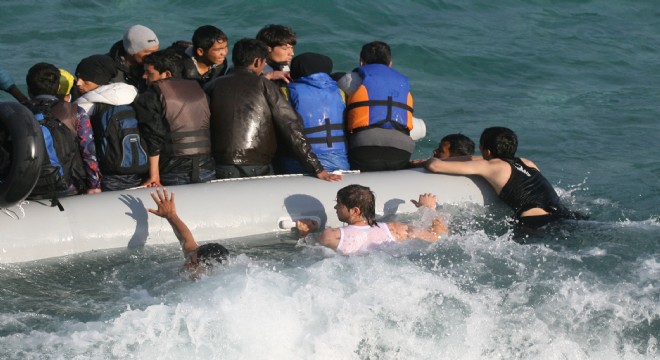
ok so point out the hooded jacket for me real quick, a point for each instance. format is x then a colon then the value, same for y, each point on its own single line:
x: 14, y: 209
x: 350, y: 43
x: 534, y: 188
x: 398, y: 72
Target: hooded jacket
x: 319, y: 102
x: 112, y: 94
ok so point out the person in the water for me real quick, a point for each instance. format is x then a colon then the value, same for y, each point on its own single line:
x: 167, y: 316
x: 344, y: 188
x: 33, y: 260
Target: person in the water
x: 197, y: 257
x: 457, y: 146
x: 356, y: 206
x: 517, y: 181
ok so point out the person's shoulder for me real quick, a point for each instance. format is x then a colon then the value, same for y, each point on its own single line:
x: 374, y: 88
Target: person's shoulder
x: 330, y: 237
x: 398, y: 230
x: 529, y: 163
x: 149, y: 95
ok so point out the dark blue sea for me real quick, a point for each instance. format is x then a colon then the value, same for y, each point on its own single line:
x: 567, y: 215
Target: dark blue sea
x: 579, y: 81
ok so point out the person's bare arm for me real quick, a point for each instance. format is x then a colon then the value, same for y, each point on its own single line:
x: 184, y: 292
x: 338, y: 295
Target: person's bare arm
x: 279, y: 75
x: 154, y: 172
x: 329, y: 238
x: 438, y: 226
x: 497, y: 172
x: 167, y: 210
x: 469, y: 167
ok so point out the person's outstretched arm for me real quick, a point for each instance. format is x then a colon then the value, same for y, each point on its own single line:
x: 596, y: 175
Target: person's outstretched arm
x: 167, y: 209
x: 432, y: 234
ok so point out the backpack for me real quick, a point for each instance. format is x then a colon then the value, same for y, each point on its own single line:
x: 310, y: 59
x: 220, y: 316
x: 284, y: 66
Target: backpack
x: 62, y: 165
x: 120, y: 148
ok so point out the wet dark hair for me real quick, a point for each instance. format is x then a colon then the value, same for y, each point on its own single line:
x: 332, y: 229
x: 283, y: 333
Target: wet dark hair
x: 360, y: 197
x: 459, y: 145
x: 502, y: 142
x: 246, y: 50
x: 43, y: 79
x: 165, y: 60
x: 376, y: 52
x: 205, y: 36
x: 211, y: 253
x: 277, y: 35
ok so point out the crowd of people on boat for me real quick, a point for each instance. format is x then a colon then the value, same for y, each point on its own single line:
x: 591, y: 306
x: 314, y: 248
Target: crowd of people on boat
x: 144, y: 115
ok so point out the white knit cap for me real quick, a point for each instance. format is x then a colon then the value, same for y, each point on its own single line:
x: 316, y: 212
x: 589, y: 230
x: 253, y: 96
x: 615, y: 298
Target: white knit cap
x: 138, y: 38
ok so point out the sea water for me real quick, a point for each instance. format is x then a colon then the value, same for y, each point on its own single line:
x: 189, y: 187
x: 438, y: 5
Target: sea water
x: 577, y: 80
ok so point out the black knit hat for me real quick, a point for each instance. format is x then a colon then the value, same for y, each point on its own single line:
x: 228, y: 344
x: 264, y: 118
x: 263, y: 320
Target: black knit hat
x: 98, y: 69
x: 309, y: 63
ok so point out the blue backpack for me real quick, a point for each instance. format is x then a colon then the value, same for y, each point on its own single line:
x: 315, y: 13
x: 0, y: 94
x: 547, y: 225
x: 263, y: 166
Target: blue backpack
x: 119, y: 147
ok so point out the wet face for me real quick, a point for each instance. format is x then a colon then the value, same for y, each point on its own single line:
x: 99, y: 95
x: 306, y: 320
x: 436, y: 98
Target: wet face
x: 151, y: 75
x: 442, y: 152
x: 343, y: 213
x: 216, y: 54
x: 281, y: 54
x: 85, y: 86
x: 138, y: 57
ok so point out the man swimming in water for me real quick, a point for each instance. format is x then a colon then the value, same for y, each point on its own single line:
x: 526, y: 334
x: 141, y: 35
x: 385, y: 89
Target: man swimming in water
x: 356, y: 206
x: 195, y: 255
x: 517, y: 181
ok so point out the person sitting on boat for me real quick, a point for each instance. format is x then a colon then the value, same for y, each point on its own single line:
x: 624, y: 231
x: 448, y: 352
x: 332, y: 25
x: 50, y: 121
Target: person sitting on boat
x: 517, y: 181
x: 103, y: 102
x: 173, y: 117
x: 206, y: 59
x: 66, y: 84
x: 457, y: 146
x: 128, y: 54
x: 356, y: 206
x: 77, y: 163
x: 280, y: 40
x: 248, y: 112
x: 320, y: 104
x: 197, y: 257
x: 7, y: 84
x: 379, y: 112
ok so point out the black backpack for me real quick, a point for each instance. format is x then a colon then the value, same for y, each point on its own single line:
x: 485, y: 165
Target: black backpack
x: 119, y: 147
x: 62, y: 165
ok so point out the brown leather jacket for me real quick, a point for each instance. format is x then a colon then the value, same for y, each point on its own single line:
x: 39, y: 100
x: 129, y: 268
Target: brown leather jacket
x: 248, y: 115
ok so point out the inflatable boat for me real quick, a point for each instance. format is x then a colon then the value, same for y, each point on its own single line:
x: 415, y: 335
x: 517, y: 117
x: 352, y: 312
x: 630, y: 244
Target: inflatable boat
x: 219, y: 210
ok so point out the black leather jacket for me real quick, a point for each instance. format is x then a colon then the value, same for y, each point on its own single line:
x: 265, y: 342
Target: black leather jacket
x: 190, y: 71
x: 248, y: 115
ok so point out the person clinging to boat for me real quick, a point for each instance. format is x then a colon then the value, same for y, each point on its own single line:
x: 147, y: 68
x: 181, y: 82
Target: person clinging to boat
x: 517, y: 181
x: 356, y: 206
x: 457, y: 146
x: 197, y: 257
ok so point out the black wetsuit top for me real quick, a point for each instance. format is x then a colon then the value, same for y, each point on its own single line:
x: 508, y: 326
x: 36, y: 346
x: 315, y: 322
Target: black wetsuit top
x: 528, y: 189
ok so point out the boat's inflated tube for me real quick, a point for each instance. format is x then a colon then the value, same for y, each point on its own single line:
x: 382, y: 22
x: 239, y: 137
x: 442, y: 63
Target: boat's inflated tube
x: 26, y: 139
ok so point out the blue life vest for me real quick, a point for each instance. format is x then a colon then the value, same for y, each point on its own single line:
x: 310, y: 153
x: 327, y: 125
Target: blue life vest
x: 383, y: 100
x: 319, y: 102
